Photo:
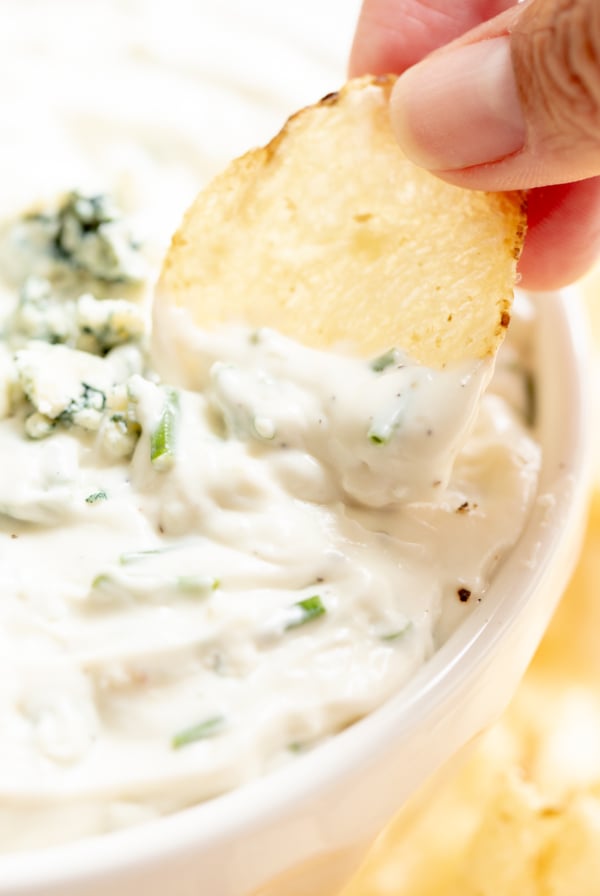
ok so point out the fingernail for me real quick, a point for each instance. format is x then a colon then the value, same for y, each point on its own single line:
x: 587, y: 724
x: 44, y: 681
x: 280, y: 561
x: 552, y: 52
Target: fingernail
x: 460, y: 108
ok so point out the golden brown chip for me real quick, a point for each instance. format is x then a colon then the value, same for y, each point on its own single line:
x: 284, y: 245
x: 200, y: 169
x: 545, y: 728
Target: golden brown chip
x: 330, y: 235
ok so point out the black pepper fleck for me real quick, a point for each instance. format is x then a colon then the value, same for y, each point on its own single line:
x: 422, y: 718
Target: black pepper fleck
x: 464, y: 594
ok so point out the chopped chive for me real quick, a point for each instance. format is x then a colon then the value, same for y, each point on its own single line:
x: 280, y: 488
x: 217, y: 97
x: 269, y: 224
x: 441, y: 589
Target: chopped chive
x: 530, y: 398
x: 106, y: 588
x: 197, y: 584
x: 209, y: 728
x: 306, y: 610
x: 384, y: 361
x: 296, y: 747
x: 103, y: 582
x: 135, y: 556
x: 529, y: 388
x: 162, y: 440
x: 382, y: 431
x: 399, y: 633
x: 95, y: 497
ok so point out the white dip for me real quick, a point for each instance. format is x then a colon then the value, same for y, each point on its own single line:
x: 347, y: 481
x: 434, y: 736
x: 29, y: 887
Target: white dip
x: 199, y: 579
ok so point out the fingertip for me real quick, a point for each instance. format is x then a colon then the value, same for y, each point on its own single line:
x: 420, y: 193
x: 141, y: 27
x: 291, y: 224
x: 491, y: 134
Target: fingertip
x: 392, y: 35
x: 541, y: 272
x: 563, y: 237
x: 379, y: 46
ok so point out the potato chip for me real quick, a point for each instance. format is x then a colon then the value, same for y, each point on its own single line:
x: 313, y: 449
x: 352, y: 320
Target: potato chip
x: 331, y: 236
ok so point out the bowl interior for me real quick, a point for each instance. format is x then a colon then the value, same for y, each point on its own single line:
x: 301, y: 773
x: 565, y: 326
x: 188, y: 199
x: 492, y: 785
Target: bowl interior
x: 565, y: 434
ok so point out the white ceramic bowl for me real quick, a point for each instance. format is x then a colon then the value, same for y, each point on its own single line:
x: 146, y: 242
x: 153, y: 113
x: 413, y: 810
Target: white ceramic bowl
x: 304, y: 828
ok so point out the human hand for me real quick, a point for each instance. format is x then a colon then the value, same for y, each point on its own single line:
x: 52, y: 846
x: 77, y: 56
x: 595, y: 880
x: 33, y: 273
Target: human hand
x: 510, y: 99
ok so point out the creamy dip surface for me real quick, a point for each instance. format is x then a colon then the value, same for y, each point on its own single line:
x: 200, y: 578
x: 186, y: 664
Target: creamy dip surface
x: 206, y: 572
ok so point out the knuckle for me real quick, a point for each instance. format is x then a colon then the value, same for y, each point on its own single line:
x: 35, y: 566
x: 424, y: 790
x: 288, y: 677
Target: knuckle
x: 556, y: 56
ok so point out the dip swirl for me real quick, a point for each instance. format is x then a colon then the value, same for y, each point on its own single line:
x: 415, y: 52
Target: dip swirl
x: 207, y: 572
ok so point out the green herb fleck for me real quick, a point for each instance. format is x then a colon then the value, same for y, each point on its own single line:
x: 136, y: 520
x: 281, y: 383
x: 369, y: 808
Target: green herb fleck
x: 95, y: 497
x: 384, y: 361
x: 382, y: 431
x: 209, y: 728
x: 136, y: 556
x: 399, y: 633
x: 197, y: 585
x: 529, y: 408
x: 102, y: 580
x: 530, y: 398
x: 306, y: 610
x: 163, y: 439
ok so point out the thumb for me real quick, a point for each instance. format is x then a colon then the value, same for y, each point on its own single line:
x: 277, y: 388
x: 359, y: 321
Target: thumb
x: 513, y: 104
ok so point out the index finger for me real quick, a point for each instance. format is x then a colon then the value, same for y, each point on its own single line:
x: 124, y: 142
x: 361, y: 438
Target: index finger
x: 392, y: 35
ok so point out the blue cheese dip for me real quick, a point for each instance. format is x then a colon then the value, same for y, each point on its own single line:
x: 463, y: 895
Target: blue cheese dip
x: 206, y: 572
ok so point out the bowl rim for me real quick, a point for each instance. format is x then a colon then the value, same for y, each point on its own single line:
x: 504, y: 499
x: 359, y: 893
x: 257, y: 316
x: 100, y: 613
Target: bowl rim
x: 264, y: 799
